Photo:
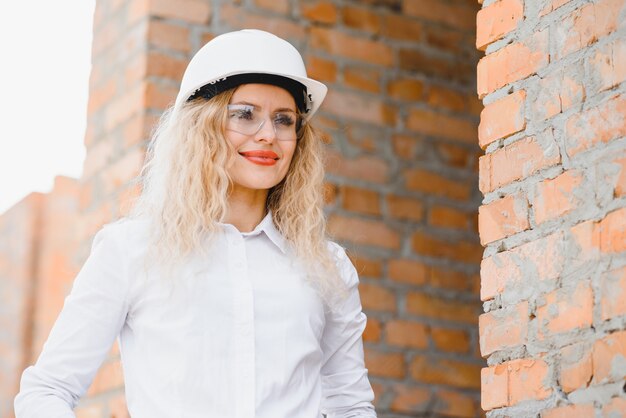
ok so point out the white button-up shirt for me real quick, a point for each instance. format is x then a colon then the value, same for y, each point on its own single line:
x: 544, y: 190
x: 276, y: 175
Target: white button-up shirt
x: 238, y: 332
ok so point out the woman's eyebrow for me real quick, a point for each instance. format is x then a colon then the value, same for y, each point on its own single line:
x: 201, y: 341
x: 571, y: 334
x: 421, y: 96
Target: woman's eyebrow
x: 245, y: 103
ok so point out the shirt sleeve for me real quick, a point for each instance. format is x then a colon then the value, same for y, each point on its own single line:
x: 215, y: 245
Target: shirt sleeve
x: 92, y: 316
x: 346, y: 390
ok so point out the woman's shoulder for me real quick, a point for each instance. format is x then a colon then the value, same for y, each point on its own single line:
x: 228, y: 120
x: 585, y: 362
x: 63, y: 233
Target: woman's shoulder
x: 125, y: 233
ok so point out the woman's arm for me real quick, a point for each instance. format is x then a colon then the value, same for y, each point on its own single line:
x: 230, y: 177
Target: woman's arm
x: 346, y: 390
x: 92, y: 316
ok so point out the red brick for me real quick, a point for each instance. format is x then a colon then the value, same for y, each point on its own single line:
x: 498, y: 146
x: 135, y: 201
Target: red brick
x: 553, y: 5
x: 502, y: 218
x: 455, y: 15
x: 432, y: 183
x: 166, y: 66
x: 608, y: 66
x: 408, y: 271
x: 352, y: 47
x: 321, y: 69
x: 570, y: 411
x: 165, y: 35
x: 503, y: 328
x: 444, y: 278
x: 516, y: 161
x: 400, y: 27
x: 360, y: 200
x: 462, y: 251
x: 600, y: 124
x: 233, y: 15
x: 423, y: 304
x: 278, y: 6
x: 407, y: 399
x: 406, y: 146
x: 440, y: 97
x: 361, y: 78
x: 494, y: 387
x: 407, y: 334
x: 428, y: 64
x: 455, y: 404
x: 361, y: 18
x: 372, y: 331
x: 612, y: 230
x: 352, y: 106
x: 330, y: 193
x: 608, y: 358
x: 124, y: 170
x: 446, y: 40
x: 159, y: 96
x: 586, y: 24
x: 432, y: 123
x: 511, y: 63
x: 615, y: 408
x: 98, y: 156
x: 406, y: 89
x: 455, y: 155
x: 576, y: 368
x: 194, y: 11
x: 566, y: 309
x: 319, y: 11
x: 125, y: 107
x: 496, y: 20
x: 367, y: 267
x: 450, y: 340
x: 502, y: 118
x: 366, y: 168
x: 445, y: 372
x: 405, y: 208
x: 613, y: 297
x: 363, y: 232
x: 558, y: 196
x: 377, y: 298
x: 528, y: 380
x: 384, y: 364
x: 100, y: 96
x: 446, y: 217
x: 545, y: 257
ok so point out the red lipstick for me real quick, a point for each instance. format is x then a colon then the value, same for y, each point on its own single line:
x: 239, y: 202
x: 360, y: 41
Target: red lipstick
x: 261, y: 157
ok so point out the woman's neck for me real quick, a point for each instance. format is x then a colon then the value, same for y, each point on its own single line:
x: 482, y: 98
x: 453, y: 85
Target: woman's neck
x: 246, y: 208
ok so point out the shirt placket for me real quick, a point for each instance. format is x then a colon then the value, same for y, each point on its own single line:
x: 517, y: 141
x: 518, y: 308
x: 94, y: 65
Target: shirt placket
x: 243, y: 327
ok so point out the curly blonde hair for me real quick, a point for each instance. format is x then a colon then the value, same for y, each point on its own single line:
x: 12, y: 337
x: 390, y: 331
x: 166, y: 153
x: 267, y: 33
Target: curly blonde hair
x: 185, y: 188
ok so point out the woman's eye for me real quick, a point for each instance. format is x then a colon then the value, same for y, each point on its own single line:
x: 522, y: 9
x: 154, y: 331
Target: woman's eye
x: 284, y: 119
x: 242, y: 114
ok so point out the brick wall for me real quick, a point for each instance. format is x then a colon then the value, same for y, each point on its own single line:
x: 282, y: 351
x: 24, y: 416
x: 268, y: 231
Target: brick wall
x: 553, y: 219
x: 400, y: 121
x: 37, y: 242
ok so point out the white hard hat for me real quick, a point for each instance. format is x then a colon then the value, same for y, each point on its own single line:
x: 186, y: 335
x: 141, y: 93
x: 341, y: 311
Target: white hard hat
x: 249, y: 56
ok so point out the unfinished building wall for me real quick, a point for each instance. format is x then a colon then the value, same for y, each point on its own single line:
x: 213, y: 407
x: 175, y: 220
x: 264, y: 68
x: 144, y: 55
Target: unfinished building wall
x: 553, y: 218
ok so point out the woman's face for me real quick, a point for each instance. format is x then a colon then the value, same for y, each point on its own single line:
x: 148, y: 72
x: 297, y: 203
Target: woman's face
x: 263, y: 157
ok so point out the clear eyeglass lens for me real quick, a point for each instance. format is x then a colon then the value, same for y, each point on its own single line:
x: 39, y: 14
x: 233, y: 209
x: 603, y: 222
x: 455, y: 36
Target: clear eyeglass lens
x: 248, y: 120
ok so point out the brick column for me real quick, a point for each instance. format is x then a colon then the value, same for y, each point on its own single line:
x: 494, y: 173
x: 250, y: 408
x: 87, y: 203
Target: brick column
x: 553, y: 219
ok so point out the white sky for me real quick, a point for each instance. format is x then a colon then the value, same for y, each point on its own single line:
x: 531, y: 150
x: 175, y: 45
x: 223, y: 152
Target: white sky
x: 45, y: 49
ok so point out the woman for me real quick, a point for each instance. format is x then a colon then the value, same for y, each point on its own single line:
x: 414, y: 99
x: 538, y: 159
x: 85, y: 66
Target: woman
x: 226, y: 297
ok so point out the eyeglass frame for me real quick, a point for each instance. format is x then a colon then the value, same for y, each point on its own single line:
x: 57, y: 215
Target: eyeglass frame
x: 300, y: 120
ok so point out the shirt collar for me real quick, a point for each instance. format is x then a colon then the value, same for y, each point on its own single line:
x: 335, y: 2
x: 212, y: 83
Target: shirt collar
x: 266, y: 226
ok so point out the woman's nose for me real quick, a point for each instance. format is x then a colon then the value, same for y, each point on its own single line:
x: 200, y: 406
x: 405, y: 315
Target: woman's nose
x: 266, y: 131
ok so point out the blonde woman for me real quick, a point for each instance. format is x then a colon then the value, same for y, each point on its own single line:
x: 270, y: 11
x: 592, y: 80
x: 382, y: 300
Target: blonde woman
x: 226, y: 297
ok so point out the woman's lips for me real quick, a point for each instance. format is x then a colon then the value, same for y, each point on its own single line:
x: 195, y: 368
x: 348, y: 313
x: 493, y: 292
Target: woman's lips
x: 260, y: 157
